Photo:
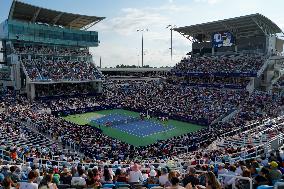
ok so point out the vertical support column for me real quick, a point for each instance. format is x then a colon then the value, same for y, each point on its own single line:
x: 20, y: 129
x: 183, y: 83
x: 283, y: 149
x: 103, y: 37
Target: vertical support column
x: 213, y: 52
x: 30, y: 88
x: 15, y: 72
x: 32, y: 91
x: 142, y: 53
x: 171, y: 43
x: 97, y: 86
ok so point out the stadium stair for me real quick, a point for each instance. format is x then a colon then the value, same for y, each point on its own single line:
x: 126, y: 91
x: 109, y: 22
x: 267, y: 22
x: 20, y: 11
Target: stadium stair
x: 50, y: 142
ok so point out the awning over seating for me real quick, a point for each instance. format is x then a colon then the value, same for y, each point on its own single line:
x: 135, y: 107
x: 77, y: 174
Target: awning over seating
x: 243, y: 26
x: 29, y: 13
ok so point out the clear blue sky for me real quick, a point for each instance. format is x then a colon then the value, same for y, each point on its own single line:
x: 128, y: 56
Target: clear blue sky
x: 121, y: 44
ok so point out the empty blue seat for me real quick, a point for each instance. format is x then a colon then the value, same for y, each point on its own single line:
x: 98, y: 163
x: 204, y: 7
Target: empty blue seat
x: 265, y: 187
x: 152, y: 185
x: 108, y: 186
x: 122, y: 184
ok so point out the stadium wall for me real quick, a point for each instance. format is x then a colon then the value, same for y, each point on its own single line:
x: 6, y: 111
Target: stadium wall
x: 279, y: 45
x: 251, y: 43
x: 271, y: 44
x: 51, y: 35
x: 4, y: 30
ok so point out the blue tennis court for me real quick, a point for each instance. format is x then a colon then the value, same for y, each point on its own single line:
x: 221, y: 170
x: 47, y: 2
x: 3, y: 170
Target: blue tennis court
x: 115, y: 119
x: 133, y: 125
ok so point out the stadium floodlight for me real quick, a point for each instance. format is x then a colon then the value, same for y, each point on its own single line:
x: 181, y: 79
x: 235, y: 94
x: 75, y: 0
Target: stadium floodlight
x: 142, y: 48
x: 171, y: 28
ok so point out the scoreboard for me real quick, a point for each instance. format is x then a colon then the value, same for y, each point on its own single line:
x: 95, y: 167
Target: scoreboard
x: 222, y: 39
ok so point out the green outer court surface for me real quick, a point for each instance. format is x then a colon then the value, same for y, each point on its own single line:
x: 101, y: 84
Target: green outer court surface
x: 180, y: 127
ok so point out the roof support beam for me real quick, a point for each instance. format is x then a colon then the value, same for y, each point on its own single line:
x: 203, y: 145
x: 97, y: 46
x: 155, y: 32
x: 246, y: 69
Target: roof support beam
x: 11, y: 12
x: 260, y: 26
x: 228, y: 27
x: 30, y: 13
x: 238, y: 25
x: 55, y: 20
x: 75, y: 20
x: 35, y: 15
x: 90, y: 25
x: 199, y: 28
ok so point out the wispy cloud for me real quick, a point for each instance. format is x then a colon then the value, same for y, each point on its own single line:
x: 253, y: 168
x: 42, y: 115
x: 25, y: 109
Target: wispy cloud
x: 156, y: 40
x: 126, y: 47
x: 209, y: 1
x: 132, y: 19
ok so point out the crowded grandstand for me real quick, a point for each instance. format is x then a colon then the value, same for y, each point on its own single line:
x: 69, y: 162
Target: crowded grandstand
x: 214, y: 120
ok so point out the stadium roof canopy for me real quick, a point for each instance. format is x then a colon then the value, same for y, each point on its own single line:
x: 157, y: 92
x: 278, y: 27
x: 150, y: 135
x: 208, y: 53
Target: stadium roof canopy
x: 243, y: 26
x: 29, y: 13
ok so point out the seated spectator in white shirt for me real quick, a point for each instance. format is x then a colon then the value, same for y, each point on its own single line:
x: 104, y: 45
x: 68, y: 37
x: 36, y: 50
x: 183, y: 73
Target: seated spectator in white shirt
x: 30, y: 184
x: 79, y: 181
x: 163, y: 179
x: 135, y: 175
x: 228, y: 181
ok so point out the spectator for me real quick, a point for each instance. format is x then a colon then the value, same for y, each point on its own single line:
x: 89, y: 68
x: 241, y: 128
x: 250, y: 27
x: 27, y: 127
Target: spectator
x: 107, y: 177
x: 244, y: 184
x: 262, y: 178
x: 211, y: 181
x: 164, y: 178
x: 66, y: 176
x: 48, y: 184
x: 135, y: 175
x: 121, y: 175
x: 7, y: 183
x: 152, y: 179
x: 228, y: 181
x: 80, y: 180
x: 13, y: 176
x: 171, y: 174
x: 30, y: 184
x: 190, y: 178
x: 90, y: 181
x: 274, y: 173
x: 175, y: 183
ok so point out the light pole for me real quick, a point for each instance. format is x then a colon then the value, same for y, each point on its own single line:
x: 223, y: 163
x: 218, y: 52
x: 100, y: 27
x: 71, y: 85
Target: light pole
x: 142, y: 48
x: 171, y: 28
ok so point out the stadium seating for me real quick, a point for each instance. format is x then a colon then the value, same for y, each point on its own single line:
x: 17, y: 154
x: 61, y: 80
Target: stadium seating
x: 280, y: 82
x: 233, y: 146
x: 100, y: 149
x: 191, y: 104
x: 51, y: 66
x: 234, y: 65
x: 45, y: 50
x: 212, y: 82
x: 60, y: 70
